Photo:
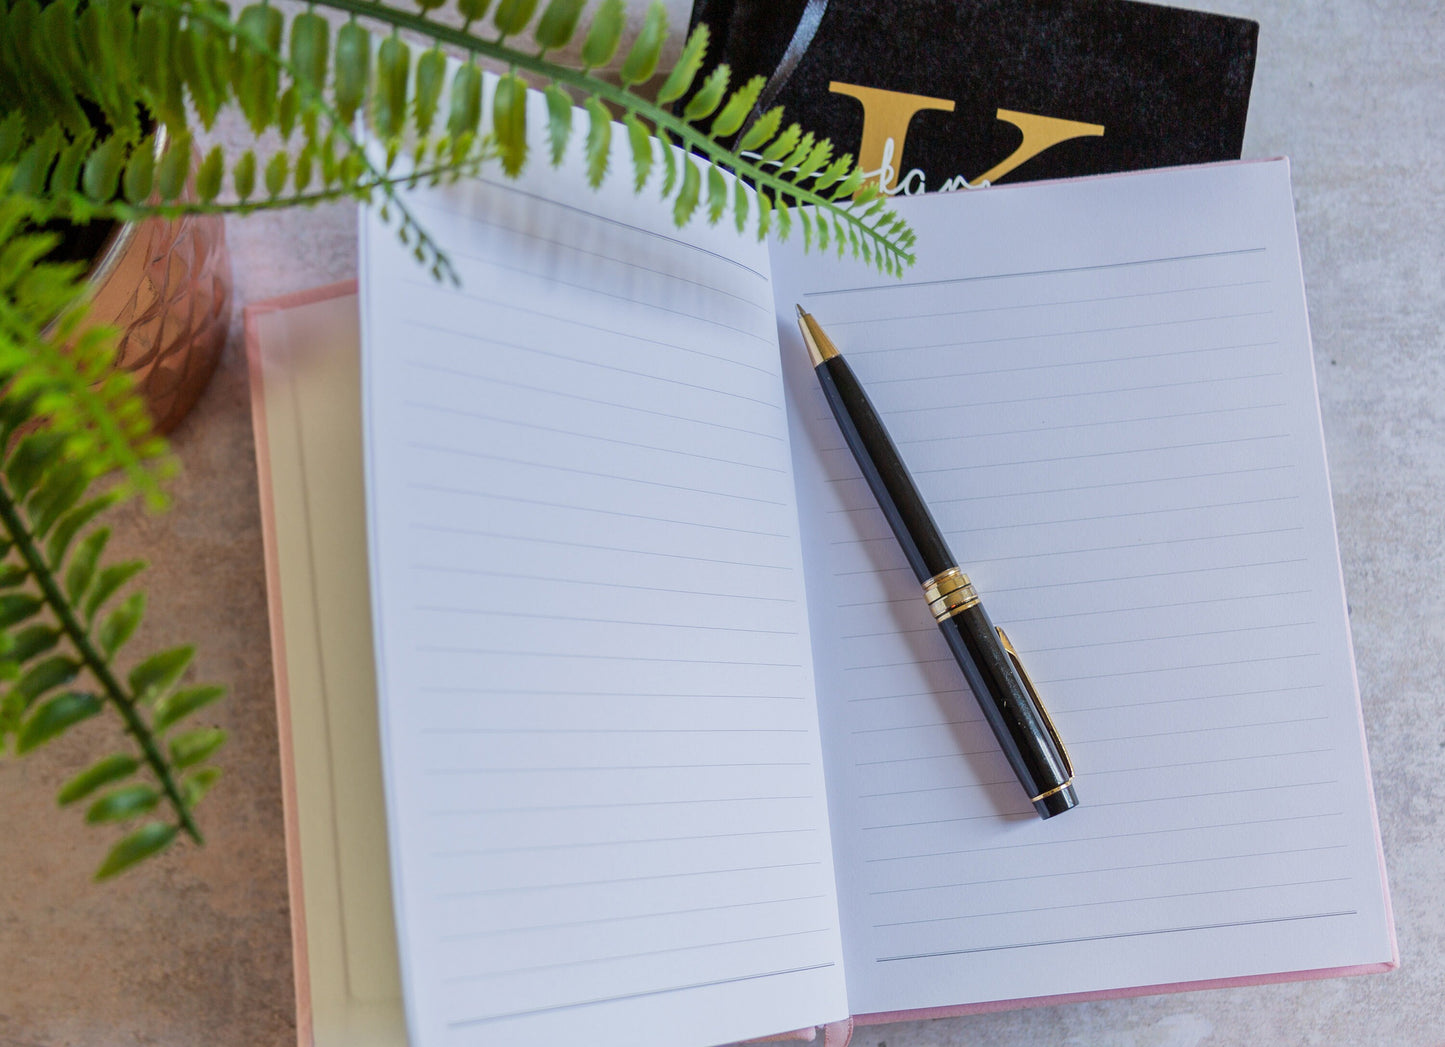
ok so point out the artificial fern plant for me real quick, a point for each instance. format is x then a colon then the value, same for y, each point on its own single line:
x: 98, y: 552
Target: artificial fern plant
x: 87, y: 90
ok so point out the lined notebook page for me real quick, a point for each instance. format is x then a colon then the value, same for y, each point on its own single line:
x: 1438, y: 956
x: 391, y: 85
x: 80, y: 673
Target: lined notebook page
x: 1105, y: 391
x: 605, y: 794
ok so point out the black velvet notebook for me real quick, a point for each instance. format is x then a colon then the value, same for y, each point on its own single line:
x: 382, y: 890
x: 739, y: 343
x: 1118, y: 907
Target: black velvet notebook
x: 933, y: 93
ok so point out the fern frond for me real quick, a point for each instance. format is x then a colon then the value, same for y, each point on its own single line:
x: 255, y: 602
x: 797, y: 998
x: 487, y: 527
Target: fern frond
x: 60, y: 643
x: 290, y: 74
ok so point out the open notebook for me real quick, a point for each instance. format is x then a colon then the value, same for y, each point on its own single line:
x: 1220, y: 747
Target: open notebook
x: 673, y: 752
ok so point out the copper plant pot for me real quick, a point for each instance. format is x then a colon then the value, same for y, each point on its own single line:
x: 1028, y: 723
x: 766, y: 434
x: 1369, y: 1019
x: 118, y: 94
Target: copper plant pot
x: 167, y: 285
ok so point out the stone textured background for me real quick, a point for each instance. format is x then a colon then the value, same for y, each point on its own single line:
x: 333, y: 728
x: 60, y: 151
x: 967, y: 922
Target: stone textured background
x: 194, y: 948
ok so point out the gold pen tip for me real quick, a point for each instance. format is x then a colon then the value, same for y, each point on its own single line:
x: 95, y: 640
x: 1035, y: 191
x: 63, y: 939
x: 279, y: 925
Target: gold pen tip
x: 820, y: 346
x: 801, y: 311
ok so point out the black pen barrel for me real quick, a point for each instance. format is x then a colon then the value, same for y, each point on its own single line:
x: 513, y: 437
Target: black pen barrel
x: 1016, y: 716
x: 883, y: 468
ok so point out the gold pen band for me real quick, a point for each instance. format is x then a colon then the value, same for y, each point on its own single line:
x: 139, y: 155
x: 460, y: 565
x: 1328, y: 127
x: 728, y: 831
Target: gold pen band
x: 949, y: 592
x: 1051, y: 792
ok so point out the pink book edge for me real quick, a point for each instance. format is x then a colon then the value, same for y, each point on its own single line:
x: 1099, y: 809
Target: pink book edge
x: 882, y: 1017
x: 300, y: 964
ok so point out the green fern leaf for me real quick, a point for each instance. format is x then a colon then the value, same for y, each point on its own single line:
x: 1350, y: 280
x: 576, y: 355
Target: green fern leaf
x: 765, y: 215
x: 102, y: 169
x: 687, y: 196
x: 162, y: 27
x: 140, y: 172
x: 688, y: 64
x: 641, y: 144
x: 559, y: 121
x: 330, y: 168
x: 35, y: 453
x: 558, y: 23
x: 46, y: 675
x: 604, y: 35
x: 807, y: 226
x: 110, y: 769
x: 305, y: 162
x: 275, y: 175
x: 287, y: 109
x: 816, y: 158
x: 512, y: 16
x: 466, y: 101
x: 599, y: 142
x: 243, y: 175
x: 58, y: 492
x: 310, y: 51
x: 646, y: 51
x: 118, y: 21
x: 122, y: 804
x: 784, y: 144
x: 12, y: 131
x: 120, y: 624
x: 146, y: 841
x: 66, y: 175
x: 797, y: 156
x: 353, y: 70
x: 255, y: 77
x: 740, y: 204
x: 717, y: 194
x: 193, y: 747
x: 199, y: 65
x: 61, y: 65
x: 388, y: 101
x: 833, y: 172
x: 784, y: 216
x: 849, y: 185
x: 473, y: 10
x: 31, y: 641
x: 16, y: 608
x: 738, y: 107
x: 669, y: 164
x: 431, y: 77
x: 709, y: 96
x: 54, y: 717
x: 108, y: 582
x: 509, y: 123
x: 159, y: 673
x: 209, y: 174
x: 174, y: 166
x: 33, y: 170
x: 176, y: 707
x: 198, y: 783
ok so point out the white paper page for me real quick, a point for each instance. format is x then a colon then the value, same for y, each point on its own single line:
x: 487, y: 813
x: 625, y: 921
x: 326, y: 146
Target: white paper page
x: 607, y: 815
x: 1105, y: 391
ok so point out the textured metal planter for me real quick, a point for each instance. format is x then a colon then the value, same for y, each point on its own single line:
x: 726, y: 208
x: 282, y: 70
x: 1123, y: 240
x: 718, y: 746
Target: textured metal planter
x: 167, y: 286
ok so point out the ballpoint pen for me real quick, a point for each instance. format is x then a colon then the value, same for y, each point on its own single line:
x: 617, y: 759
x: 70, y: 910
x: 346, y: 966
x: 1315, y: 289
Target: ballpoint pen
x: 989, y: 662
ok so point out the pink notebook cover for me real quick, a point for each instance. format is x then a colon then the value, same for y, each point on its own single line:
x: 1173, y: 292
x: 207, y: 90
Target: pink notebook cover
x: 837, y: 1034
x: 299, y: 961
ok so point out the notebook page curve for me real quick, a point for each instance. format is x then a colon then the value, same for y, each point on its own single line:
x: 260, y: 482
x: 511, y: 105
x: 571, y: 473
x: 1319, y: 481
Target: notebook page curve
x: 605, y: 798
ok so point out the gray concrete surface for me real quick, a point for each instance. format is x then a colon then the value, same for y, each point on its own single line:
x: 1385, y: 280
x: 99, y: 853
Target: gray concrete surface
x: 194, y: 949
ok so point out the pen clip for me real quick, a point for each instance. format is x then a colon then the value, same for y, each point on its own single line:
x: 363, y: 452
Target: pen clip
x: 1034, y: 694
